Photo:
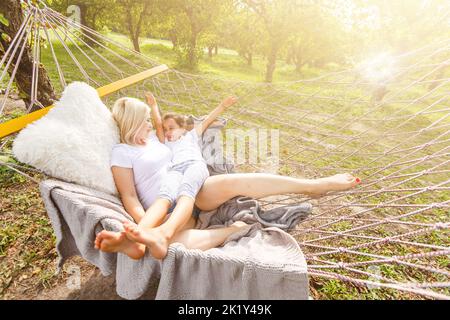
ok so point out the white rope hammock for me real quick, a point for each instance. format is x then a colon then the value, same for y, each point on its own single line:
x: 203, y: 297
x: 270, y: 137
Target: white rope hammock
x: 392, y: 232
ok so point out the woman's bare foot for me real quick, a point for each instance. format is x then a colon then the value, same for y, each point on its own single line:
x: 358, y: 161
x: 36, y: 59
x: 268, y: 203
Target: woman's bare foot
x: 109, y: 241
x: 156, y: 241
x: 236, y: 230
x: 338, y: 182
x: 239, y: 224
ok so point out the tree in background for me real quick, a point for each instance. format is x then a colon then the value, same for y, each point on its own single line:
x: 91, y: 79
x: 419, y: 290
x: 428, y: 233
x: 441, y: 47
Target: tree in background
x: 11, y: 18
x: 211, y: 40
x: 318, y: 38
x: 135, y: 18
x: 312, y: 33
x: 134, y: 12
x: 195, y: 19
x: 244, y: 33
x: 217, y: 31
x: 278, y: 18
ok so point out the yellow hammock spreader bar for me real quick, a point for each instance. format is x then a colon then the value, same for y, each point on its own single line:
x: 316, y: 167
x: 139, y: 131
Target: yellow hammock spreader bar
x: 19, y: 123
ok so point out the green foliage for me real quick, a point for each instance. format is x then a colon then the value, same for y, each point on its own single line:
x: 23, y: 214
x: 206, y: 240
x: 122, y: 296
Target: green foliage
x: 5, y: 37
x: 306, y: 35
x: 3, y: 20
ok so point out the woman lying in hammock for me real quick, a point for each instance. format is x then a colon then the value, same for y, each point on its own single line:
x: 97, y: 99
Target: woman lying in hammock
x: 163, y: 172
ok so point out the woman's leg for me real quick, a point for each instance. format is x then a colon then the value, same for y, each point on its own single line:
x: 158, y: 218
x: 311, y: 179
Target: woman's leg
x: 206, y: 239
x: 220, y: 188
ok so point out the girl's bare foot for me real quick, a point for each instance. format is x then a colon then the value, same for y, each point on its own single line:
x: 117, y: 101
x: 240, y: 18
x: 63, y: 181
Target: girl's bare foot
x: 109, y: 241
x: 156, y: 241
x: 338, y: 182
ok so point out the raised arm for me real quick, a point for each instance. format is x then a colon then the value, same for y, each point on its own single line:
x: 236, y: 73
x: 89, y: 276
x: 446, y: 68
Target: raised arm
x: 156, y: 116
x: 226, y: 103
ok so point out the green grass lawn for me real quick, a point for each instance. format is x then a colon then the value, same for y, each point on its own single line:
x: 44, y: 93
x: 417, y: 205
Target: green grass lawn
x: 300, y: 110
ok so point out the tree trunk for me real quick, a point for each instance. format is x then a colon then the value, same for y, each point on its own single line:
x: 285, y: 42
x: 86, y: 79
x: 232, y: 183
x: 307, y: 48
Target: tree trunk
x: 216, y: 50
x: 12, y: 11
x: 192, y: 55
x: 135, y: 40
x: 173, y: 38
x: 289, y: 56
x: 84, y: 21
x: 298, y: 63
x: 210, y: 52
x: 271, y: 63
x: 192, y: 59
x: 249, y: 58
x: 133, y: 30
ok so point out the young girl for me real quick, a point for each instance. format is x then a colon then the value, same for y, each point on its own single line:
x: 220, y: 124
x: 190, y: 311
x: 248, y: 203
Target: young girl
x: 187, y: 170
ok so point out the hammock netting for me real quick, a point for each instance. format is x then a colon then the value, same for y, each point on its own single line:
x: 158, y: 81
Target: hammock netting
x: 390, y: 233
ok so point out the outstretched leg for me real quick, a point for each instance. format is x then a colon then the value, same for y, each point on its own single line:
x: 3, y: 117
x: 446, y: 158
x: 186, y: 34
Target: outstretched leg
x: 220, y: 188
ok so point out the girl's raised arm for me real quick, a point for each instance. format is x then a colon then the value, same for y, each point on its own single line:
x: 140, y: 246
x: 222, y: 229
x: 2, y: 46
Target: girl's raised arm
x: 228, y: 102
x: 156, y: 116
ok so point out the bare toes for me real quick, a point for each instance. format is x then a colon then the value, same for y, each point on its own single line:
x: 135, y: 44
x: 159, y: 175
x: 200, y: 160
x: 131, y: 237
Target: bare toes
x: 134, y: 231
x: 126, y: 224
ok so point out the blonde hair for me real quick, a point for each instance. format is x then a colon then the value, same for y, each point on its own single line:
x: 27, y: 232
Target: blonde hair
x: 130, y: 114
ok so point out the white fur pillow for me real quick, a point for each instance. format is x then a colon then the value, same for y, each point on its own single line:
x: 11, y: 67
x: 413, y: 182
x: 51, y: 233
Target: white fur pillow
x: 73, y: 141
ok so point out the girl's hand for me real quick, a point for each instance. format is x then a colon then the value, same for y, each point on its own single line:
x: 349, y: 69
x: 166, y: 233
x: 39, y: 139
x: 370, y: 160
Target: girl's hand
x: 228, y: 102
x: 150, y: 99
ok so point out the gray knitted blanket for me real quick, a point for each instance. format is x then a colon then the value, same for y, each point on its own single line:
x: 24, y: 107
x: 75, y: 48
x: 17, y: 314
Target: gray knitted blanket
x: 260, y: 262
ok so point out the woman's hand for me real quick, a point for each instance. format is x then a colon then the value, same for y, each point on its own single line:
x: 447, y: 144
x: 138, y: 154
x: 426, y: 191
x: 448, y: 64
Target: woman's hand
x: 150, y: 99
x: 228, y: 102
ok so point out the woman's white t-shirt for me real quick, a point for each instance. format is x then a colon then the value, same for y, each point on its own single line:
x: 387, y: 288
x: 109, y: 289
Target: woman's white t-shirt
x: 149, y: 164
